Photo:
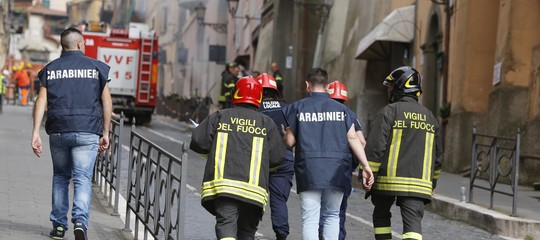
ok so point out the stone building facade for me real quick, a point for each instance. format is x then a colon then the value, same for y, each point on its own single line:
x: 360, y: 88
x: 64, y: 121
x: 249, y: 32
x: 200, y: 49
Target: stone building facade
x: 479, y: 61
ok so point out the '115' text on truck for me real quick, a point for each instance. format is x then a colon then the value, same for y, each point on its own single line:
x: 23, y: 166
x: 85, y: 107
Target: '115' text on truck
x: 132, y: 55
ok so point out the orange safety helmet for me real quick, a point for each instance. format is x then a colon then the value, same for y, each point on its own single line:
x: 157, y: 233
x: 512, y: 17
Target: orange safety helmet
x: 338, y: 91
x: 248, y: 90
x: 267, y: 81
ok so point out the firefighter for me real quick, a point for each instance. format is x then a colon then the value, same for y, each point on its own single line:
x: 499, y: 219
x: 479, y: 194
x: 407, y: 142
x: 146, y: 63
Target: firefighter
x: 278, y: 77
x: 324, y: 136
x: 338, y: 92
x: 242, y: 145
x: 229, y: 77
x: 404, y: 151
x: 281, y: 178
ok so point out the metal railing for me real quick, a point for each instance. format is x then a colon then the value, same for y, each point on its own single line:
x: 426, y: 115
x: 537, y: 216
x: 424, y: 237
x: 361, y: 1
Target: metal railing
x: 156, y: 183
x: 496, y: 157
x: 107, y: 167
x: 156, y: 189
x: 196, y: 108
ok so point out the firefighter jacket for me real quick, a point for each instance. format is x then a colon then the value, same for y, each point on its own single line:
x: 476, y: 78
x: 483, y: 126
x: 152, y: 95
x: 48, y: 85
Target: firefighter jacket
x: 74, y: 85
x: 323, y: 158
x: 272, y: 108
x: 228, y: 82
x: 404, y: 150
x: 242, y: 144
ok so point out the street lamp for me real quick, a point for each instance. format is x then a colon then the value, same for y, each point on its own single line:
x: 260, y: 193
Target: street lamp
x: 232, y: 5
x: 200, y: 12
x: 233, y: 8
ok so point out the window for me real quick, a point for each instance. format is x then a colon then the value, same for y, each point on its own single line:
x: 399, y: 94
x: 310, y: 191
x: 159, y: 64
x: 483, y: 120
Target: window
x: 182, y: 55
x: 217, y: 53
x: 164, y: 22
x: 46, y: 3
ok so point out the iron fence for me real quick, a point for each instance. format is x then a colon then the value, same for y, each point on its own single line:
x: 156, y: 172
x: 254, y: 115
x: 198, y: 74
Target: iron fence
x: 156, y: 189
x: 108, y: 164
x: 195, y: 108
x: 155, y: 183
x: 496, y: 157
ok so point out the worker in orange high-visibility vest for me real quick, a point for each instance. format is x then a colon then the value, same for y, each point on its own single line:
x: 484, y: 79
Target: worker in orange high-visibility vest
x: 23, y: 81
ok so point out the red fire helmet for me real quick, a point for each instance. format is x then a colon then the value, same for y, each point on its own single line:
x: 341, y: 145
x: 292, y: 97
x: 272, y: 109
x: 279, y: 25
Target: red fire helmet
x: 248, y: 90
x: 267, y: 81
x: 338, y: 91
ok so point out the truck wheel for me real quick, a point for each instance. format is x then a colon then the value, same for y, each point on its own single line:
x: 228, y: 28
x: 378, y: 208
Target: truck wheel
x: 144, y: 118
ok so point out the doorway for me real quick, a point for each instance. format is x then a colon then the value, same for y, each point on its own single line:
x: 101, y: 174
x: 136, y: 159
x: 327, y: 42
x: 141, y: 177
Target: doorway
x: 432, y: 69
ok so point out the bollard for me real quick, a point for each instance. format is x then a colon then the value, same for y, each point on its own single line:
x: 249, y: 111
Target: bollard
x: 463, y: 189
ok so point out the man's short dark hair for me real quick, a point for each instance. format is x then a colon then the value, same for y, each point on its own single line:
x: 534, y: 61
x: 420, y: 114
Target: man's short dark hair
x: 66, y: 41
x: 317, y: 76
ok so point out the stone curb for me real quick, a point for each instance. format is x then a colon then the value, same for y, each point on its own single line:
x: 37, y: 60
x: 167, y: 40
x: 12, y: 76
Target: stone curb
x: 489, y: 220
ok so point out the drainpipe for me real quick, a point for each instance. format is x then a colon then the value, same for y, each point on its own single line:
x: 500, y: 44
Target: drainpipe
x: 317, y: 57
x: 303, y: 54
x: 449, y: 12
x: 444, y: 121
x: 324, y: 13
x: 413, y: 47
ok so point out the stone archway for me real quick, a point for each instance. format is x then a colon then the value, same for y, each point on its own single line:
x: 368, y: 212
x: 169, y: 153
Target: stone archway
x: 432, y: 67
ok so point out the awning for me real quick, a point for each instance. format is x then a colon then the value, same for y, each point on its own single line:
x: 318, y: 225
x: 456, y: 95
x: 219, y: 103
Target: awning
x: 398, y: 26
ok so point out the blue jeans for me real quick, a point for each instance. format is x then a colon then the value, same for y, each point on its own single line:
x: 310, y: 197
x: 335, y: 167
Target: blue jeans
x: 73, y: 154
x: 313, y: 202
x: 342, y: 217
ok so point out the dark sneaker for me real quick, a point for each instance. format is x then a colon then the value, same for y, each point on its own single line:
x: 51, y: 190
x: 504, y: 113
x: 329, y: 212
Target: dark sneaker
x: 57, y: 233
x: 79, y: 231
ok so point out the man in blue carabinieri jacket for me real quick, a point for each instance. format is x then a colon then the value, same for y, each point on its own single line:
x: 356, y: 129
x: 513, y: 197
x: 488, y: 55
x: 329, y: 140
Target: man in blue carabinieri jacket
x: 75, y: 93
x: 324, y: 136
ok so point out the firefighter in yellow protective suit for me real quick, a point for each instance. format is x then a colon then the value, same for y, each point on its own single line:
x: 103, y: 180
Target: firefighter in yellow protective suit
x: 404, y: 150
x: 242, y: 145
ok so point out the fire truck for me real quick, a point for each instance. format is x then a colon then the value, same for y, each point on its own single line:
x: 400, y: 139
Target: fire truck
x: 132, y: 55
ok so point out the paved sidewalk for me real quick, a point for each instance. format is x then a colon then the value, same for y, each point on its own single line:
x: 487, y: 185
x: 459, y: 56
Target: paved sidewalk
x: 498, y: 220
x: 25, y: 186
x: 528, y: 203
